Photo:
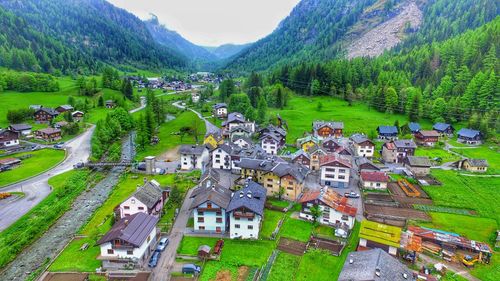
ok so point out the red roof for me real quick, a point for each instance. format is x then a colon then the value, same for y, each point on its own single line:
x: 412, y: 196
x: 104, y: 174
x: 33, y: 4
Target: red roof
x: 390, y: 145
x: 328, y: 159
x: 374, y: 176
x: 332, y: 199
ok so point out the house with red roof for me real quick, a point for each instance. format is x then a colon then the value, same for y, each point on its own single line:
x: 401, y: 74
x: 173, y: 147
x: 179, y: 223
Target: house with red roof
x: 335, y: 209
x: 335, y: 171
x: 373, y: 180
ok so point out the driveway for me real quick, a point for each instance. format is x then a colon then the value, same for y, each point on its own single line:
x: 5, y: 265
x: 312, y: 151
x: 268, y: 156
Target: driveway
x: 37, y: 188
x: 167, y: 260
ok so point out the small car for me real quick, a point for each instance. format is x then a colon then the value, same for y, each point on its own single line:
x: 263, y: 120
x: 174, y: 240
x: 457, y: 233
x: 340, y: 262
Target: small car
x: 191, y: 269
x: 162, y: 171
x: 162, y: 244
x: 58, y: 146
x: 351, y: 194
x: 154, y: 259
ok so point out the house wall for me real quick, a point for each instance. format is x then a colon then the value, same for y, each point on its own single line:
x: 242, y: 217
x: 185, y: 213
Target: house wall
x: 270, y: 146
x: 9, y: 143
x: 221, y: 112
x: 302, y: 160
x: 243, y: 230
x: 292, y: 187
x: 134, y: 206
x: 329, y: 216
x: 209, y: 218
x: 305, y: 146
x: 221, y: 160
x: 335, y: 176
x: 249, y: 125
x: 211, y: 141
x: 389, y: 156
x: 364, y: 150
x: 187, y: 162
x: 419, y: 171
x: 468, y: 167
x: 141, y: 253
x: 373, y: 185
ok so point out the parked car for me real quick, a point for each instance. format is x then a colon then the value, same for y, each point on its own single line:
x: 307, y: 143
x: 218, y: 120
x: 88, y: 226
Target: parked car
x: 191, y: 269
x: 78, y: 165
x: 154, y: 259
x: 351, y: 194
x: 162, y: 244
x: 58, y: 146
x: 162, y: 171
x: 141, y: 166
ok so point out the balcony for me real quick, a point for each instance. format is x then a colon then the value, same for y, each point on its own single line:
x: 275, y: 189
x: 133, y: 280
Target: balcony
x: 243, y: 215
x: 118, y: 246
x: 209, y: 210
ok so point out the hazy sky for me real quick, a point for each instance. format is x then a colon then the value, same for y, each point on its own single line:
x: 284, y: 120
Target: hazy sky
x: 214, y: 22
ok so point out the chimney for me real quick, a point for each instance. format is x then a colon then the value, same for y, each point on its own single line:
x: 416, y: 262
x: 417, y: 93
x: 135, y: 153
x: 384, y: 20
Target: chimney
x: 377, y: 271
x: 126, y: 222
x: 351, y: 260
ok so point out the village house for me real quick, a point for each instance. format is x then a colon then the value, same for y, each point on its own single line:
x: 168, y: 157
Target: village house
x: 64, y: 108
x: 130, y: 241
x: 374, y: 264
x: 373, y: 235
x: 77, y: 115
x: 60, y: 124
x: 301, y: 158
x: 285, y: 179
x: 426, y: 138
x: 330, y: 144
x: 475, y: 165
x: 35, y: 107
x: 213, y: 139
x: 9, y: 163
x: 362, y: 146
x: 444, y: 129
x: 335, y: 210
x: 469, y: 136
x: 221, y: 157
x: 246, y: 211
x: 396, y: 151
x: 278, y: 131
x: 325, y: 129
x: 414, y: 127
x: 315, y: 153
x: 243, y: 142
x: 366, y: 165
x: 148, y: 199
x: 209, y: 208
x: 387, y: 132
x: 208, y: 178
x: 195, y: 97
x: 307, y: 142
x: 237, y: 153
x: 193, y: 156
x: 49, y: 134
x: 220, y: 110
x: 110, y: 104
x: 418, y: 165
x: 335, y: 171
x: 271, y: 143
x: 373, y: 180
x: 45, y: 115
x: 239, y: 131
x: 8, y: 139
x: 22, y: 129
x: 236, y: 119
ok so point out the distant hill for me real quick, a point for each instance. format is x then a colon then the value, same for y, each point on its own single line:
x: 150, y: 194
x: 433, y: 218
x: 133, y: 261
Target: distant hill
x: 318, y: 30
x: 96, y: 28
x: 227, y: 50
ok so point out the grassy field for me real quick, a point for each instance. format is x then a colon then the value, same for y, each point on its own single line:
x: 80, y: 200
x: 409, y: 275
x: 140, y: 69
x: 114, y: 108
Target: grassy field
x: 488, y: 272
x: 278, y: 203
x: 302, y: 111
x: 283, y: 267
x: 100, y: 222
x: 169, y: 137
x: 487, y: 151
x: 66, y: 187
x: 271, y: 219
x: 31, y: 166
x: 436, y: 152
x: 296, y: 229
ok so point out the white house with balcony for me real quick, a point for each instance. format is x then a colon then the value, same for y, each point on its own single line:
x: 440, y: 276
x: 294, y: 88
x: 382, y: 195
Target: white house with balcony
x: 193, y: 156
x: 335, y: 171
x: 246, y: 211
x: 129, y: 242
x: 209, y: 207
x: 147, y: 199
x: 221, y: 157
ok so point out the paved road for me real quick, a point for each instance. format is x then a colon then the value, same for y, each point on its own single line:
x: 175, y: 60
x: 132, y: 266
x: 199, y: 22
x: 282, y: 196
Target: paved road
x: 143, y: 105
x: 210, y: 127
x: 167, y: 260
x: 37, y: 188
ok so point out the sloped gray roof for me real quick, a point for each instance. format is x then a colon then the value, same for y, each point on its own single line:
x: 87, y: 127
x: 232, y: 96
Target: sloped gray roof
x: 49, y: 111
x: 299, y: 172
x: 478, y: 162
x: 133, y: 229
x: 149, y: 194
x: 274, y: 129
x: 192, y: 149
x: 332, y: 124
x: 418, y: 161
x: 20, y: 127
x: 359, y: 138
x: 220, y: 105
x: 441, y: 126
x: 234, y: 117
x: 273, y: 136
x: 216, y: 194
x: 366, y: 263
x: 468, y: 133
x: 252, y: 196
x: 414, y: 127
x: 299, y: 153
x: 363, y: 161
x: 387, y: 130
x: 405, y: 144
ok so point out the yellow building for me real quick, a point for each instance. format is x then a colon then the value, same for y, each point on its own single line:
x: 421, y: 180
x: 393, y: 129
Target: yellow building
x: 307, y: 142
x: 213, y: 140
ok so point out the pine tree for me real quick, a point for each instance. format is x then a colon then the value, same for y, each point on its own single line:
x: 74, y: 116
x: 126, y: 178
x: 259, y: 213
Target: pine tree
x: 391, y: 100
x: 262, y: 110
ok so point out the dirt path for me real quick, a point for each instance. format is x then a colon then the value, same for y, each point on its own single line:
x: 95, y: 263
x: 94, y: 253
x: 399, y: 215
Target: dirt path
x: 172, y: 154
x: 458, y: 269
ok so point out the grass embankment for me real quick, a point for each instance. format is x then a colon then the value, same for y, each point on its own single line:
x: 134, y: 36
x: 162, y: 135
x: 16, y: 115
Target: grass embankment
x: 170, y: 137
x: 66, y: 187
x: 488, y: 151
x: 40, y: 161
x: 436, y: 152
x: 72, y: 259
x: 302, y: 111
x: 271, y: 219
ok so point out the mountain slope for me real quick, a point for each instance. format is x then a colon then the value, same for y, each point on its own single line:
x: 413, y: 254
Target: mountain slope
x: 98, y: 29
x: 325, y: 29
x: 174, y: 40
x: 227, y: 50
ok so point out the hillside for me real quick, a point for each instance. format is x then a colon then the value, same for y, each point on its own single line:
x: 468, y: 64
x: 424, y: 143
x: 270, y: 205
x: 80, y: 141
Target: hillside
x: 326, y: 29
x: 98, y: 29
x: 227, y: 50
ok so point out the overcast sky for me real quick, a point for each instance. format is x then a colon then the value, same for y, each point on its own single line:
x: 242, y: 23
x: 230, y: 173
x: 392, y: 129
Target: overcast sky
x: 214, y: 22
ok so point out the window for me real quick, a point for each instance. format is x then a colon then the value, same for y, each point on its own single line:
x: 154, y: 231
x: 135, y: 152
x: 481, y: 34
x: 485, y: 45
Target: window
x: 237, y: 219
x: 219, y: 213
x: 250, y: 219
x: 250, y: 227
x: 217, y: 155
x: 130, y: 252
x: 378, y: 184
x: 344, y: 218
x: 236, y: 226
x: 270, y: 180
x: 290, y: 182
x: 217, y: 161
x: 201, y: 227
x: 133, y: 201
x: 149, y: 239
x: 218, y: 220
x: 269, y: 185
x: 126, y: 207
x: 141, y: 208
x: 341, y: 177
x: 201, y: 219
x: 341, y: 170
x: 209, y: 205
x: 289, y: 188
x: 110, y: 251
x: 200, y: 213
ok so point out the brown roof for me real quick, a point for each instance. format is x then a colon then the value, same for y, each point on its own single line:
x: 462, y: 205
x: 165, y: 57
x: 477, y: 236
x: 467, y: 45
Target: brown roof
x: 49, y: 131
x: 430, y: 133
x: 327, y: 159
x: 133, y: 229
x: 374, y: 176
x: 9, y: 161
x: 332, y: 199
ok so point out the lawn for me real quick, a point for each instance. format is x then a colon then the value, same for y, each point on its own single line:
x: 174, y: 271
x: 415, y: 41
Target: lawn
x: 100, y: 222
x: 488, y: 272
x: 65, y: 189
x: 463, y: 225
x: 169, y: 137
x: 436, y: 152
x: 302, y: 111
x: 320, y: 265
x: 278, y: 203
x: 284, y: 267
x: 324, y: 231
x: 271, y: 219
x: 296, y: 229
x: 490, y: 152
x: 40, y: 161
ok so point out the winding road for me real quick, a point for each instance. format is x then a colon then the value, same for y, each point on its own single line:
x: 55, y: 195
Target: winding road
x: 209, y: 126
